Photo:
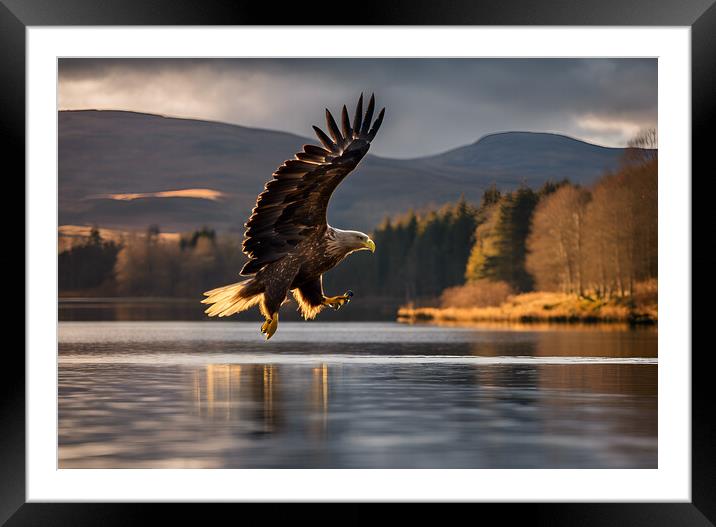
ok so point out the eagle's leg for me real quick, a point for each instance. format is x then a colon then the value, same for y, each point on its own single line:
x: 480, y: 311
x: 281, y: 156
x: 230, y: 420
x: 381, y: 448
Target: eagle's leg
x: 337, y: 301
x: 269, y: 306
x: 273, y: 297
x: 270, y: 326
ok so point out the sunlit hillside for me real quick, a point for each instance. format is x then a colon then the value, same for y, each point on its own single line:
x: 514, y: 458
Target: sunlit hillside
x: 129, y: 170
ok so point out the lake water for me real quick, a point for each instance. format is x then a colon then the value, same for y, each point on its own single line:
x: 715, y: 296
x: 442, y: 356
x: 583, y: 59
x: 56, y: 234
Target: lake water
x: 355, y: 395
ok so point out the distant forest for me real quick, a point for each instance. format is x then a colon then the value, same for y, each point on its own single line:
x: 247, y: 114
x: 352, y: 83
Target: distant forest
x: 600, y: 240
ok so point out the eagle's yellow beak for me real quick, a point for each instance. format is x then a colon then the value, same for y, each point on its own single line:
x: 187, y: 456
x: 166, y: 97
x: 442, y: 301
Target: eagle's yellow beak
x: 370, y: 245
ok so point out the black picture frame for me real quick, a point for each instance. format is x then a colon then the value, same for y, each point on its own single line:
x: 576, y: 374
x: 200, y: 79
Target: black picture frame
x: 17, y: 15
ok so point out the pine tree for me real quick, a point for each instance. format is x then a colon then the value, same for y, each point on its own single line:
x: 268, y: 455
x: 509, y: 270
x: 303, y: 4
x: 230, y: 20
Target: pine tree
x: 511, y: 230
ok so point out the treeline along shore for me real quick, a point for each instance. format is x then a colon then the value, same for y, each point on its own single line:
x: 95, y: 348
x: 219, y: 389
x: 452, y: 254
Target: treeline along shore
x: 561, y: 253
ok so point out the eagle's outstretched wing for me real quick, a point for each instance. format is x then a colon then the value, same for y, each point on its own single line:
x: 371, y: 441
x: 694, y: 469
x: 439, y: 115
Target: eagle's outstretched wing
x: 294, y: 202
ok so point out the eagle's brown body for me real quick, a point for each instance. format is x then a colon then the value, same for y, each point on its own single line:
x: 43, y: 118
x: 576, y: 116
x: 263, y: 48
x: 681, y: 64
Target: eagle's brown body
x: 287, y: 239
x: 301, y: 273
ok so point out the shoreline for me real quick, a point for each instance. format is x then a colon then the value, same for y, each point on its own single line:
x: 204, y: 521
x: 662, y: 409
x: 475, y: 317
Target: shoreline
x: 540, y: 307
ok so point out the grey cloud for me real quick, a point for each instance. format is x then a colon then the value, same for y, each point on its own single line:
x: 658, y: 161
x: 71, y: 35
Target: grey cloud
x: 432, y: 104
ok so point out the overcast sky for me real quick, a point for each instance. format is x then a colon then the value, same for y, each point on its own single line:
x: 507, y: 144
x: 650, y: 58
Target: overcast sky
x: 432, y: 105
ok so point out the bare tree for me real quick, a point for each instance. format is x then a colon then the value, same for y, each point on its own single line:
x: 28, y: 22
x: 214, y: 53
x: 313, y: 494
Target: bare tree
x: 621, y: 223
x: 556, y: 255
x: 643, y: 147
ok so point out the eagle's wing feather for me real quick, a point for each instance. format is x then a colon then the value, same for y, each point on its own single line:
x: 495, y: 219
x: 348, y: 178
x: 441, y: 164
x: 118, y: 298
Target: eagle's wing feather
x: 294, y: 202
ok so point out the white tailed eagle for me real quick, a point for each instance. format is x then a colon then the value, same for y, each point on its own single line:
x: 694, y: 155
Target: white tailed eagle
x: 288, y: 240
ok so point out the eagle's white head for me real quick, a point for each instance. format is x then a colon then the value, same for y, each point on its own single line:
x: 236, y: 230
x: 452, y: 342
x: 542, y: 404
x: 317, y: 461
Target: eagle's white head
x: 345, y: 242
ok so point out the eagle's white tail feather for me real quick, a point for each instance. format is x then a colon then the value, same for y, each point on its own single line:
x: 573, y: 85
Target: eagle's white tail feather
x: 228, y: 300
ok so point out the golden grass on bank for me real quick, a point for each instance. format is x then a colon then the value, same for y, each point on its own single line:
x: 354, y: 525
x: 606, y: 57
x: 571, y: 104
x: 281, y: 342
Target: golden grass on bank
x: 541, y: 307
x: 482, y: 293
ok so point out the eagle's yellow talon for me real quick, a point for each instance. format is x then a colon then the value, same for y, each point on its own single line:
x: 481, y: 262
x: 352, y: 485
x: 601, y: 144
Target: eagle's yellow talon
x: 269, y: 327
x: 336, y: 302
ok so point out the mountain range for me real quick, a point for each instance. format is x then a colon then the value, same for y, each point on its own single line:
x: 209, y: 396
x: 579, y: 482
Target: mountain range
x: 128, y: 170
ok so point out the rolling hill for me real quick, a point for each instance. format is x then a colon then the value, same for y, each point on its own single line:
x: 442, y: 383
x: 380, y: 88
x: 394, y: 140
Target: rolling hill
x: 116, y: 168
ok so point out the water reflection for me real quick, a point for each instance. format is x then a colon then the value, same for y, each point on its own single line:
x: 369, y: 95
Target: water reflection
x: 319, y: 400
x: 563, y: 342
x: 178, y: 309
x: 320, y: 414
x: 216, y: 390
x: 235, y: 392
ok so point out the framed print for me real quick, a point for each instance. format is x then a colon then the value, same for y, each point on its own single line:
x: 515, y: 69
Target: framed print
x: 446, y: 291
